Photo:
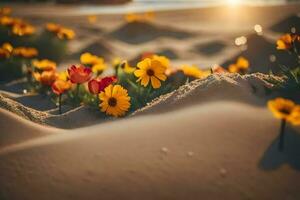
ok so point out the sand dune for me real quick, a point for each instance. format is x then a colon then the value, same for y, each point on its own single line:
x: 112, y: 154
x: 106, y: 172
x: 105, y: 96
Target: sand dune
x: 217, y: 150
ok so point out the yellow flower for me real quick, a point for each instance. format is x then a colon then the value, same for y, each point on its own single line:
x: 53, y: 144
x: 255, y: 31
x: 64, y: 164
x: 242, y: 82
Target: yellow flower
x: 163, y: 59
x: 241, y: 66
x: 150, y: 69
x: 66, y: 33
x: 285, y: 42
x: 6, y: 21
x: 281, y: 107
x: 60, y: 31
x: 22, y: 29
x: 5, y: 11
x: 132, y: 17
x: 92, y: 19
x: 90, y: 59
x: 8, y: 47
x: 98, y: 68
x: 295, y: 116
x: 64, y: 76
x: 26, y: 52
x: 126, y: 67
x: 44, y: 65
x: 114, y: 100
x: 4, y: 53
x: 5, y: 50
x: 116, y: 61
x: 194, y: 71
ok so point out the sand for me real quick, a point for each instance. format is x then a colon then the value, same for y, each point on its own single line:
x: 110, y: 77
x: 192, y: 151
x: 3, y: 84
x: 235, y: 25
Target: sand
x: 211, y: 139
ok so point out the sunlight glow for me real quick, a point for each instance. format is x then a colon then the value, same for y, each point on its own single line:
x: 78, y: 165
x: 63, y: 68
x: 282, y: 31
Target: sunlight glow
x: 233, y: 2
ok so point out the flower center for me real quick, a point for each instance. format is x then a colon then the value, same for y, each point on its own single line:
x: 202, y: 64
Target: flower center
x: 123, y: 65
x: 150, y: 72
x: 112, y: 101
x: 285, y: 111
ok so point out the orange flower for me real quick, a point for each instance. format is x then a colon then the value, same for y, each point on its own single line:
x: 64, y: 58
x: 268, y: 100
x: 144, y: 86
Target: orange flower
x: 22, y: 29
x: 285, y: 42
x: 60, y: 86
x: 60, y: 31
x: 92, y: 19
x: 46, y: 77
x: 6, y: 21
x: 5, y: 11
x: 4, y: 53
x: 241, y: 66
x: 5, y: 50
x: 26, y: 52
x: 79, y: 74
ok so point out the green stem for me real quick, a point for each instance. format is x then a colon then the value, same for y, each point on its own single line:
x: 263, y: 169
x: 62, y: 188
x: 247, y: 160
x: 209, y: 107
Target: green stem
x: 281, y: 135
x: 77, y: 93
x: 59, y: 103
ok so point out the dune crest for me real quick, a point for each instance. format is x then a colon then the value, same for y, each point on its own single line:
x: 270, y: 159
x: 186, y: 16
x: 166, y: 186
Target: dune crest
x: 238, y: 88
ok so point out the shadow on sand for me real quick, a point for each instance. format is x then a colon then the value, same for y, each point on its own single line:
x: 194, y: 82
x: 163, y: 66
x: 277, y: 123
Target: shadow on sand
x: 273, y: 158
x: 141, y: 32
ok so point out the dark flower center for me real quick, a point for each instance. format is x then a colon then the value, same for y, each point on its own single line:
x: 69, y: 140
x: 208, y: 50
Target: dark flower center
x: 123, y: 65
x: 112, y: 101
x: 150, y: 72
x: 285, y: 111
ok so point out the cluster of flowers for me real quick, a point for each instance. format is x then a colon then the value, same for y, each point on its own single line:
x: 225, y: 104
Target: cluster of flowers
x: 7, y: 51
x: 116, y: 93
x: 17, y: 26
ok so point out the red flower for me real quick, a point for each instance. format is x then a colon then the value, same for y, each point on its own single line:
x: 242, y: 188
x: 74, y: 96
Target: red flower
x: 79, y: 74
x: 96, y: 86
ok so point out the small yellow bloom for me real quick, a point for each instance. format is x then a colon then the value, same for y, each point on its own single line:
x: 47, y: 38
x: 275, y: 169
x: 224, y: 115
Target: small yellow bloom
x: 194, y: 71
x: 92, y: 19
x: 116, y: 61
x: 66, y: 33
x: 5, y: 50
x: 142, y: 17
x: 295, y: 116
x: 90, y: 59
x: 5, y: 11
x: 8, y: 47
x: 126, y: 67
x: 150, y: 70
x: 60, y: 31
x: 285, y: 42
x: 282, y: 108
x: 241, y: 66
x: 4, y: 53
x: 44, y: 65
x: 6, y: 21
x: 163, y: 59
x: 99, y: 68
x: 26, y: 52
x: 64, y: 76
x: 114, y: 100
x: 22, y: 29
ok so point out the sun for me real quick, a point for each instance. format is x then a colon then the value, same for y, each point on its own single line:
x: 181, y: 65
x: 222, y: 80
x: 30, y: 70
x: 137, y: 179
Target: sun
x: 233, y: 2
